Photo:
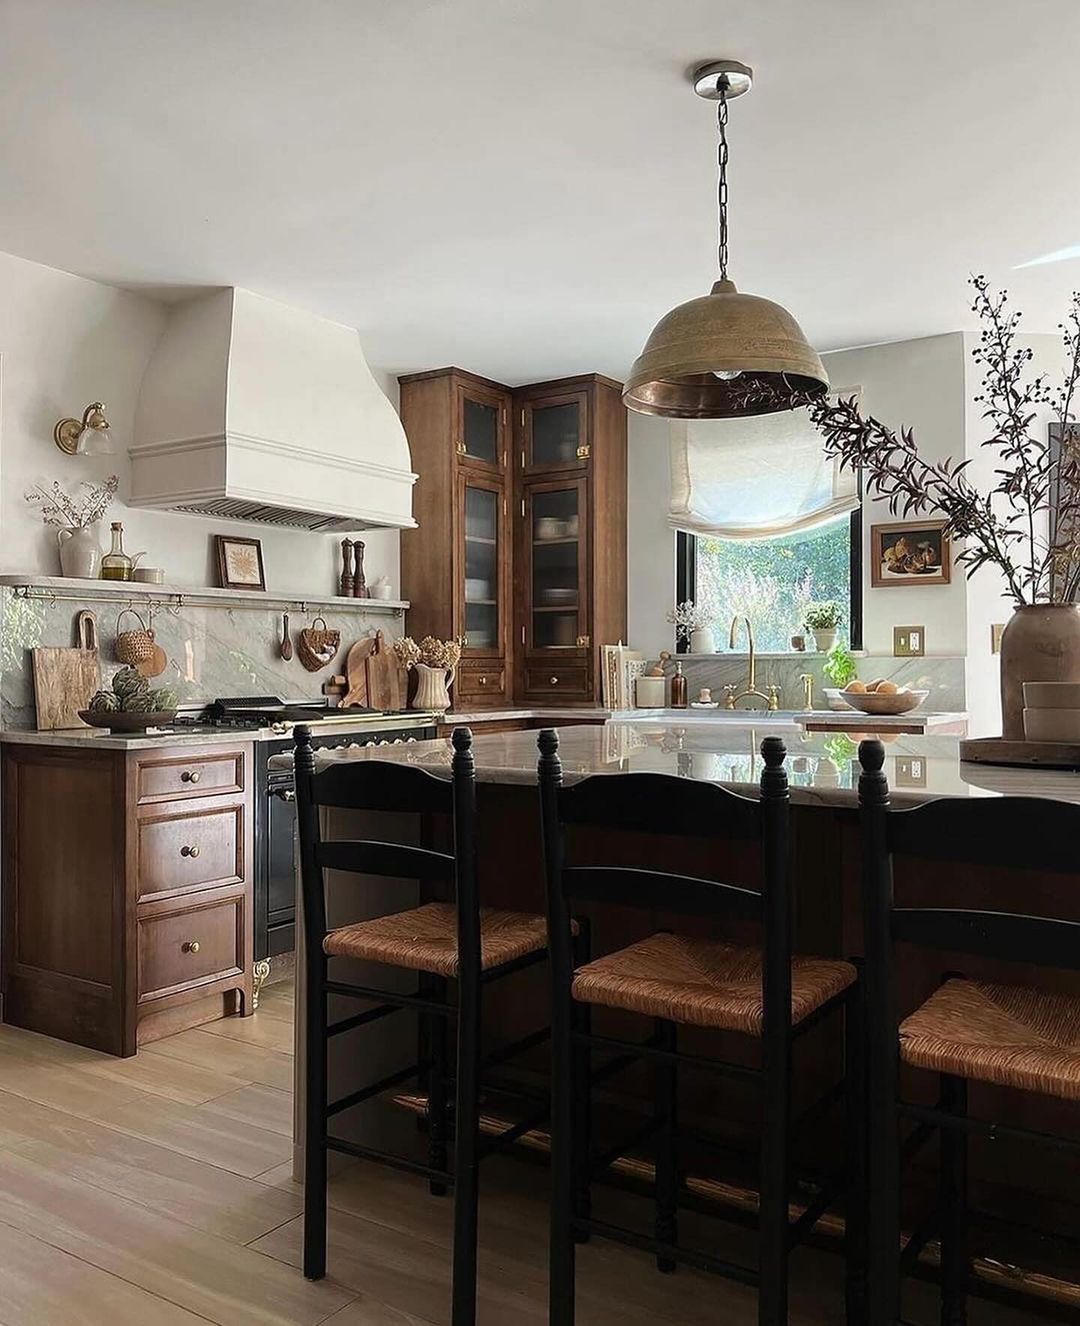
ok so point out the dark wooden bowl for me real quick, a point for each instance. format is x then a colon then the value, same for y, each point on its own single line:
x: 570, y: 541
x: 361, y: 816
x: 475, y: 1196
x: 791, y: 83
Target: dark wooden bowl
x: 120, y: 720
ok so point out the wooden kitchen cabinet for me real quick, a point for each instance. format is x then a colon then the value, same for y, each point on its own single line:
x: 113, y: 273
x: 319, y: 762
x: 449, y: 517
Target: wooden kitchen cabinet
x: 521, y: 545
x: 127, y: 890
x: 456, y: 566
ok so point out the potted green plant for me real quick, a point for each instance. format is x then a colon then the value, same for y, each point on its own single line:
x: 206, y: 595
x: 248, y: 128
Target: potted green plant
x: 822, y: 621
x: 839, y: 668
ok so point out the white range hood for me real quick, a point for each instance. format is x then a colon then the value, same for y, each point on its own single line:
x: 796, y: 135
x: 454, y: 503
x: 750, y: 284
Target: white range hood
x: 253, y: 410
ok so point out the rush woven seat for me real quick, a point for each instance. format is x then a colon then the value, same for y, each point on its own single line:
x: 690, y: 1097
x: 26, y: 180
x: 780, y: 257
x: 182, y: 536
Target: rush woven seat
x: 703, y: 982
x: 1007, y: 1035
x: 425, y: 938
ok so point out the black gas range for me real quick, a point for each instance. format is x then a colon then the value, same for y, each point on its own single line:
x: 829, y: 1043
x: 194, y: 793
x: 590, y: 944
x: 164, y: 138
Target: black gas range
x: 271, y: 721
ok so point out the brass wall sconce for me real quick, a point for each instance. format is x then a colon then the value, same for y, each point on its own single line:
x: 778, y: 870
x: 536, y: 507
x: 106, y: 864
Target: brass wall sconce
x: 89, y: 436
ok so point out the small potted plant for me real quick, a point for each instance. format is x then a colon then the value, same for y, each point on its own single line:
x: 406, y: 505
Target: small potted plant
x: 694, y: 625
x: 840, y: 668
x: 822, y: 621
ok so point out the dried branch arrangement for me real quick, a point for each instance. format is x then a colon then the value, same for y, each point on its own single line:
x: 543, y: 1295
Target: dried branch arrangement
x: 1027, y: 523
x: 58, y: 507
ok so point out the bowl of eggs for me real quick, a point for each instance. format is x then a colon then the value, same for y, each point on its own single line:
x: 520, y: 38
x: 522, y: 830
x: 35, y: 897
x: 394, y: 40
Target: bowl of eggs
x: 882, y: 697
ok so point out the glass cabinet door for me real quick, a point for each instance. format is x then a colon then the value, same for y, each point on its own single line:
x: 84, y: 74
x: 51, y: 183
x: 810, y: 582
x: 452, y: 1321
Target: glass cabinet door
x: 481, y: 427
x: 556, y: 432
x: 482, y: 509
x: 555, y: 529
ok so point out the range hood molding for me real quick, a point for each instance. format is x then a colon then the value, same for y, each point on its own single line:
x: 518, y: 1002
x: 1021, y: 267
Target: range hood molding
x: 252, y: 410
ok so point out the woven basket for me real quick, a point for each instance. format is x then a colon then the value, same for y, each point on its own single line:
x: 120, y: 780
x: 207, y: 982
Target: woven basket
x: 134, y: 647
x: 316, y: 646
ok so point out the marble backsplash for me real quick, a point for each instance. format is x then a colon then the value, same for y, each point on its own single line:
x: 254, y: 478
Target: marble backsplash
x: 212, y: 651
x: 942, y: 676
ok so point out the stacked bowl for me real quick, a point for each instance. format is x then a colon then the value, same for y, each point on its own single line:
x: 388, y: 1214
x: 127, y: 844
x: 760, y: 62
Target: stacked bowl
x: 1052, y: 711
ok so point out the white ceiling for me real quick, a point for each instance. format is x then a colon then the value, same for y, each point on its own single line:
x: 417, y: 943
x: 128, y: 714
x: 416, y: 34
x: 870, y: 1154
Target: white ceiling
x: 522, y: 187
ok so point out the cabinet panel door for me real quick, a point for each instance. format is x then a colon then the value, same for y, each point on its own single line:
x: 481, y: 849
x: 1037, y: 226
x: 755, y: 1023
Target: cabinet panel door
x: 482, y: 576
x: 481, y: 426
x: 178, y: 853
x: 555, y: 433
x: 556, y: 558
x: 183, y: 949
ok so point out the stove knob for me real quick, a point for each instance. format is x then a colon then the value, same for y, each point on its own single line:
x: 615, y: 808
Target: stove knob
x: 354, y: 745
x: 382, y: 742
x: 398, y: 741
x: 411, y: 740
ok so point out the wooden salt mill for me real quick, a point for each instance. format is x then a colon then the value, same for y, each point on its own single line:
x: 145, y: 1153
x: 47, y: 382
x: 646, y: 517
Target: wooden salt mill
x: 359, y: 583
x: 347, y: 585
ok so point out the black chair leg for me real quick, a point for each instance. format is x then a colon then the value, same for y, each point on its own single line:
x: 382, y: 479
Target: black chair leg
x: 775, y: 1185
x: 954, y: 1249
x: 562, y: 1252
x: 667, y: 1149
x: 466, y: 1157
x: 436, y: 988
x: 315, y: 1121
x: 582, y: 1019
x: 856, y: 1213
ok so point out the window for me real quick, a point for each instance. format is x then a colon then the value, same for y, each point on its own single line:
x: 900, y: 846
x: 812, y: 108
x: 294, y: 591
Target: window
x: 772, y: 580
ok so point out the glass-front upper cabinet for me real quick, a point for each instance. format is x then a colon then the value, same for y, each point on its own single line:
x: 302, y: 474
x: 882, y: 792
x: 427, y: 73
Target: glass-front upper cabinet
x: 555, y: 535
x: 555, y: 432
x: 483, y: 613
x: 482, y: 419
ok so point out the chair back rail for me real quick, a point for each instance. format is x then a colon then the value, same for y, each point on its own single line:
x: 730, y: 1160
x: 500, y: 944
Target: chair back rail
x: 396, y: 860
x: 1019, y: 833
x: 659, y: 803
x: 1005, y: 936
x: 367, y: 784
x: 678, y: 894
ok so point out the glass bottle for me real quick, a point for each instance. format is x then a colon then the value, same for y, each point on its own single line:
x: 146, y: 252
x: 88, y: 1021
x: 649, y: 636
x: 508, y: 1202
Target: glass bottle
x: 679, y: 689
x: 116, y: 564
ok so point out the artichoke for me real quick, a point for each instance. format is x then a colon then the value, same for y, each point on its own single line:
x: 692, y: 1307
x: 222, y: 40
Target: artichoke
x: 104, y: 702
x: 138, y: 702
x: 163, y: 700
x: 128, y: 682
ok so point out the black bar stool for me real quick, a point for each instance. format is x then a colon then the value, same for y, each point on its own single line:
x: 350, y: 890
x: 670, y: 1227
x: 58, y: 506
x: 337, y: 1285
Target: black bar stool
x: 675, y: 980
x: 442, y: 942
x: 967, y: 1031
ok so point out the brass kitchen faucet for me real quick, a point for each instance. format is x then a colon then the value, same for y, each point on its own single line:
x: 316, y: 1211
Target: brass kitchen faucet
x: 734, y: 695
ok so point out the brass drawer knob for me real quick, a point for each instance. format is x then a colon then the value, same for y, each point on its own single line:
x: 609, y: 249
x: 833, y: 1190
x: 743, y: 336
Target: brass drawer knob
x: 190, y: 946
x: 483, y: 681
x: 554, y: 681
x: 190, y: 776
x: 191, y: 851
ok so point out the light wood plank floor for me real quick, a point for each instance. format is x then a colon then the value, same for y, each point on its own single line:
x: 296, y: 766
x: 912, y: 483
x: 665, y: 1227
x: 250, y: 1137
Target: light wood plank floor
x: 158, y: 1190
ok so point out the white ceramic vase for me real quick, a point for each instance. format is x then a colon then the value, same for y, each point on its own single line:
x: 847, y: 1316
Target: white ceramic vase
x: 432, y: 687
x: 824, y: 640
x: 702, y: 641
x: 80, y: 552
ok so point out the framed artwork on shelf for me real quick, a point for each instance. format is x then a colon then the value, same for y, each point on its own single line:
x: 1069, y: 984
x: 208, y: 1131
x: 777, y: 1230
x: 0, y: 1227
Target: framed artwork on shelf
x: 909, y: 552
x: 239, y: 563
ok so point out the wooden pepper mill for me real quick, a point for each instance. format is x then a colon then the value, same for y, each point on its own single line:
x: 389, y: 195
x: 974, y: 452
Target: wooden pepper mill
x: 347, y: 584
x: 360, y: 590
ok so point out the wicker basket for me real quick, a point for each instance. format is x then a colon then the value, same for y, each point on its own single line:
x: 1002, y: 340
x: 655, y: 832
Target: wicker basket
x: 134, y: 647
x: 317, y: 645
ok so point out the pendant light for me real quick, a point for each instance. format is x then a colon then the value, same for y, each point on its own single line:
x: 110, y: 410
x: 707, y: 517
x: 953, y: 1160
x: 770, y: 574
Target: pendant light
x: 726, y: 355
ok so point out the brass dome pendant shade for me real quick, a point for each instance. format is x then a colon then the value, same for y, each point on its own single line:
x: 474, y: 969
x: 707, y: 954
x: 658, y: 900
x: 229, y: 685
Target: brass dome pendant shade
x: 725, y: 355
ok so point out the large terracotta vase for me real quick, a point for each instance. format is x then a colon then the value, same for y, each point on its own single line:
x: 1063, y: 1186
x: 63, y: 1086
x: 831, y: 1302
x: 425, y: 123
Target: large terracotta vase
x: 1041, y: 642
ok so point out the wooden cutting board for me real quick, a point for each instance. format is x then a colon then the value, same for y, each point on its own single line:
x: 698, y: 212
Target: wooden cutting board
x: 65, y: 679
x: 356, y: 671
x: 384, y: 677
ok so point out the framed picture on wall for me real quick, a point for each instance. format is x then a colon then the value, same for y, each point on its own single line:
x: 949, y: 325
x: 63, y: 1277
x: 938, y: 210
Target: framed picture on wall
x: 909, y: 552
x: 239, y: 563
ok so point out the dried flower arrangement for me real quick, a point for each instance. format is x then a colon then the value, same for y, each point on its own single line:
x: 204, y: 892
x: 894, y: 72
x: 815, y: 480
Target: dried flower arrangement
x: 687, y: 618
x: 1027, y: 522
x: 434, y: 653
x: 60, y: 508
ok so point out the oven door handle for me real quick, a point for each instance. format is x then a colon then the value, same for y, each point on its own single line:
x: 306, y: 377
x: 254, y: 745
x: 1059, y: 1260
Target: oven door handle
x: 283, y: 793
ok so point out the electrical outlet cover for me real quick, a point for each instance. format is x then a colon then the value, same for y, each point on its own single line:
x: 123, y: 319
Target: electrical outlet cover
x: 909, y: 641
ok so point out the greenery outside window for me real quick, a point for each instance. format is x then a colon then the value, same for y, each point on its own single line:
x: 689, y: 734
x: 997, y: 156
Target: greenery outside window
x: 772, y: 581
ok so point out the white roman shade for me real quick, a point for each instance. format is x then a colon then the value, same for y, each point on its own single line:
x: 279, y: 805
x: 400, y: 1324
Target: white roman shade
x: 757, y: 478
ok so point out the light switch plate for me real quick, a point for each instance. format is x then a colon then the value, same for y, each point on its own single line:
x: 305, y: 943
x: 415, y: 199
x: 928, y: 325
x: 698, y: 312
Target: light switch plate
x: 910, y: 771
x: 908, y: 641
x: 997, y: 630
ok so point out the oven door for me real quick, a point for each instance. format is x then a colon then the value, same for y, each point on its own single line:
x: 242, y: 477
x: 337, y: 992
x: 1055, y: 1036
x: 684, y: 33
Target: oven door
x: 280, y: 867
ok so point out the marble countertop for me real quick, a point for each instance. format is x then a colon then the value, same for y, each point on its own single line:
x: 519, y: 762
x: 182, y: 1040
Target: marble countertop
x: 823, y: 767
x: 475, y: 717
x: 98, y: 738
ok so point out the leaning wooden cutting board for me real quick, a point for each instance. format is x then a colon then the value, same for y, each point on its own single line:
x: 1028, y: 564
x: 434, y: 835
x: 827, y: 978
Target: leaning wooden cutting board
x: 64, y: 681
x: 356, y: 671
x: 384, y: 677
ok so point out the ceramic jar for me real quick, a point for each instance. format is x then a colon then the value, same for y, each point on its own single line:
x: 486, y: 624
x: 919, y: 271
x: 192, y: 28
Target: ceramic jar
x: 1041, y: 642
x: 702, y: 641
x: 80, y: 552
x: 824, y: 641
x: 432, y: 687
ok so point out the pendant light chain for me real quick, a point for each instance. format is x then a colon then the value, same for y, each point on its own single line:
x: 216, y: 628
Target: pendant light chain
x: 722, y: 188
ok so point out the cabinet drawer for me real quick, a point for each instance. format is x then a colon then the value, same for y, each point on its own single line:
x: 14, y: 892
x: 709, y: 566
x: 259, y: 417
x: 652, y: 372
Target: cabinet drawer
x: 477, y: 680
x: 181, y: 949
x: 204, y: 774
x: 178, y: 853
x: 555, y: 679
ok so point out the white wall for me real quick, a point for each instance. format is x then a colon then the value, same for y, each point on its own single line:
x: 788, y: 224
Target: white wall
x: 650, y: 570
x: 64, y: 342
x: 919, y: 384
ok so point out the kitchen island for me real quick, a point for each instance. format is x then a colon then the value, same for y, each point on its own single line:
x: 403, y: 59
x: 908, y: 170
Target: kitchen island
x: 823, y: 770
